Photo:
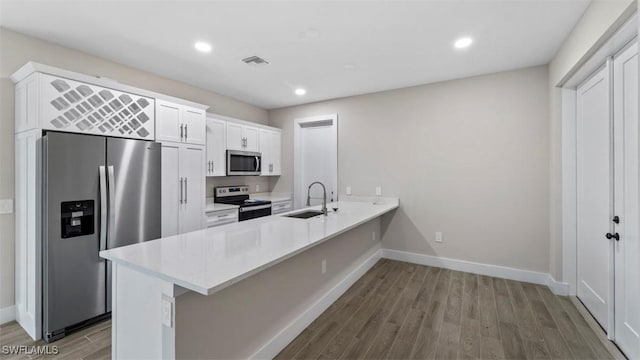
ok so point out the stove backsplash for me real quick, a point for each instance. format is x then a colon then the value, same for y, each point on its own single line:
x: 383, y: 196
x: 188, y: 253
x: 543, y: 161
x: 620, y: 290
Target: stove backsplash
x: 251, y: 181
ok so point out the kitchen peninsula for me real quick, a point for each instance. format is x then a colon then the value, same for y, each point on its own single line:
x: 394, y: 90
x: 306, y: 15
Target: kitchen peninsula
x: 239, y: 290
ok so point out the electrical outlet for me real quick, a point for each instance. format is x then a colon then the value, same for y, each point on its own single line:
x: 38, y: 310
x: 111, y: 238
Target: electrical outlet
x: 378, y: 190
x: 438, y: 237
x: 257, y: 188
x: 167, y: 313
x: 348, y: 190
x: 373, y: 236
x: 6, y: 206
x: 324, y: 266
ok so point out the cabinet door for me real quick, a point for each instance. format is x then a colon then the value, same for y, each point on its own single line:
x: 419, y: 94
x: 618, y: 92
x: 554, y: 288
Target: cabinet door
x: 168, y: 121
x: 171, y: 188
x: 192, y: 160
x: 216, y: 147
x: 276, y: 153
x: 194, y: 121
x: 251, y: 138
x: 235, y: 136
x: 265, y: 149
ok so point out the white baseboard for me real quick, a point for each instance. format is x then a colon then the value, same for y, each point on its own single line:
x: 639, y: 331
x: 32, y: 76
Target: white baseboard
x: 286, y: 336
x: 503, y: 272
x: 7, y: 314
x: 557, y: 287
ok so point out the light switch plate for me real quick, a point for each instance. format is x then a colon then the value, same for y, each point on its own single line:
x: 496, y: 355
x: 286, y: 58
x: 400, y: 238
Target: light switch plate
x: 6, y: 206
x: 167, y: 312
x: 348, y: 190
x: 379, y: 190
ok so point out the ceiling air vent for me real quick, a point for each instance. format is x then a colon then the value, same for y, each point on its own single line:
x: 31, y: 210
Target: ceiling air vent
x: 255, y: 60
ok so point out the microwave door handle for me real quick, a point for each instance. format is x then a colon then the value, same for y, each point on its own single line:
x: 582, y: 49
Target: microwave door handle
x: 257, y: 163
x: 103, y: 209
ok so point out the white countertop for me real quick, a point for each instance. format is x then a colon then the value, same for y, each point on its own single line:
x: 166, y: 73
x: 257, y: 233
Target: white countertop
x: 207, y: 261
x: 273, y: 197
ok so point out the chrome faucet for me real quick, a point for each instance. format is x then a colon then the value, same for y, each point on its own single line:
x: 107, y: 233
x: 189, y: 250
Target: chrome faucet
x: 324, y: 198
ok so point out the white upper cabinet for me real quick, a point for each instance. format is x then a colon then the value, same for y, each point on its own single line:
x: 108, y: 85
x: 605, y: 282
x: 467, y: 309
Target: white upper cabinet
x: 180, y: 123
x: 270, y: 147
x: 216, y: 147
x: 242, y: 137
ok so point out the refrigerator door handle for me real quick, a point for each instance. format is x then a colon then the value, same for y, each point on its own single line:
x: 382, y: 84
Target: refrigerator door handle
x: 112, y: 200
x: 103, y: 209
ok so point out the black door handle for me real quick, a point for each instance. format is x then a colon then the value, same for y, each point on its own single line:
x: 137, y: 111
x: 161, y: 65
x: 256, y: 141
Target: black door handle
x: 614, y: 236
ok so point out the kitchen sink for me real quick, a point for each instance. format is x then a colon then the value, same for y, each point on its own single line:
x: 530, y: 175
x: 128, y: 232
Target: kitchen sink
x: 305, y: 214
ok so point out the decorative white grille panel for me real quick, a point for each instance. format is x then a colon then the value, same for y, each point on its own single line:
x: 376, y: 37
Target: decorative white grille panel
x: 69, y: 105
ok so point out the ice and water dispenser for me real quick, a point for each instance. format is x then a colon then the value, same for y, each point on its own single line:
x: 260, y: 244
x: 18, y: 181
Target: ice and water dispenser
x: 77, y: 218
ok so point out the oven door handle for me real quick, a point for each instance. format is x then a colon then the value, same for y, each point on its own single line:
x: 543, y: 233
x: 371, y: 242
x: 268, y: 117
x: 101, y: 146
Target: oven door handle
x: 252, y: 208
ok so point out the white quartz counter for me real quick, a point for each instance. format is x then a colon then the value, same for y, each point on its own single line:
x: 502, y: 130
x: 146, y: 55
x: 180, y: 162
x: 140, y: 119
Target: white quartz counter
x: 207, y: 261
x: 212, y: 206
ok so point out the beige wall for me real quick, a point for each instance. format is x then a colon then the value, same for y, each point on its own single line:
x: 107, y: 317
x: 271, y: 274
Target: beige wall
x: 15, y: 50
x: 597, y: 24
x: 466, y: 157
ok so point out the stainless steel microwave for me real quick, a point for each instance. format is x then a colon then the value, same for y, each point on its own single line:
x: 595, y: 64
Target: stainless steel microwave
x: 243, y: 162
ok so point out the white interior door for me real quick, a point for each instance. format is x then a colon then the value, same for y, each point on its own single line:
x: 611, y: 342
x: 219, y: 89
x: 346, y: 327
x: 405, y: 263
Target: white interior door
x: 594, y: 194
x: 627, y: 203
x: 316, y: 155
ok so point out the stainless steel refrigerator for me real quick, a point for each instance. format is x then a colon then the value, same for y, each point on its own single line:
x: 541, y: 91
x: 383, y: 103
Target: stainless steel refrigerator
x: 98, y: 193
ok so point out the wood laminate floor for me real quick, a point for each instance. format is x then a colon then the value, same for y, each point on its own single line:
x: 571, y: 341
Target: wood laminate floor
x: 406, y: 311
x: 90, y: 343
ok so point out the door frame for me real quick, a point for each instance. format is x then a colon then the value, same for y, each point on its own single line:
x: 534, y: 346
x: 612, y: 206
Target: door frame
x: 298, y: 186
x: 618, y: 42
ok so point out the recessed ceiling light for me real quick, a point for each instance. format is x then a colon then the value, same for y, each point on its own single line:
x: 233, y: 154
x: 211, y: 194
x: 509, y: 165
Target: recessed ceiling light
x: 310, y: 33
x: 463, y: 42
x: 300, y: 91
x: 202, y: 46
x: 349, y: 66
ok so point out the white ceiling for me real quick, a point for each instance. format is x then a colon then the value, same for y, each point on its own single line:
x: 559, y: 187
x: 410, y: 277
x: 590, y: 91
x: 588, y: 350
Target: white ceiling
x: 333, y: 49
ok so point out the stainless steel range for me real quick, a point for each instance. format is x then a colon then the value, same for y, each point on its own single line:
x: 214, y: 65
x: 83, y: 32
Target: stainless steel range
x: 239, y: 195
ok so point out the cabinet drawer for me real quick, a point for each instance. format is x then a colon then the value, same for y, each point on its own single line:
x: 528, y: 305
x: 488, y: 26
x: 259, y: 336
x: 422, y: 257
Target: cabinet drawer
x: 280, y: 207
x: 217, y: 218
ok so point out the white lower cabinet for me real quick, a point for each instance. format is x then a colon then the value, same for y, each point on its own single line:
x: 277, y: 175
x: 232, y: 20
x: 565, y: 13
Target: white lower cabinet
x: 221, y: 217
x: 281, y: 207
x: 183, y: 188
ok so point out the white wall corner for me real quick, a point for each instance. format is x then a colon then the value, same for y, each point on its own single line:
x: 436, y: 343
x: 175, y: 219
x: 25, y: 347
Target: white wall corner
x: 286, y: 335
x: 503, y: 272
x: 7, y: 314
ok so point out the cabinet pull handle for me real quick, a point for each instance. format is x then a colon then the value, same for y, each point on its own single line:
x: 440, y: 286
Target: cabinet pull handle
x: 181, y: 131
x: 212, y: 166
x: 186, y: 134
x: 186, y: 191
x: 181, y: 181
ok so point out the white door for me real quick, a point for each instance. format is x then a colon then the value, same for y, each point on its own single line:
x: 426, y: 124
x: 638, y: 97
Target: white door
x: 315, y: 159
x: 170, y: 188
x: 594, y: 188
x: 168, y: 121
x: 216, y: 147
x: 627, y: 203
x: 251, y: 141
x: 192, y: 160
x: 235, y: 138
x: 194, y: 126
